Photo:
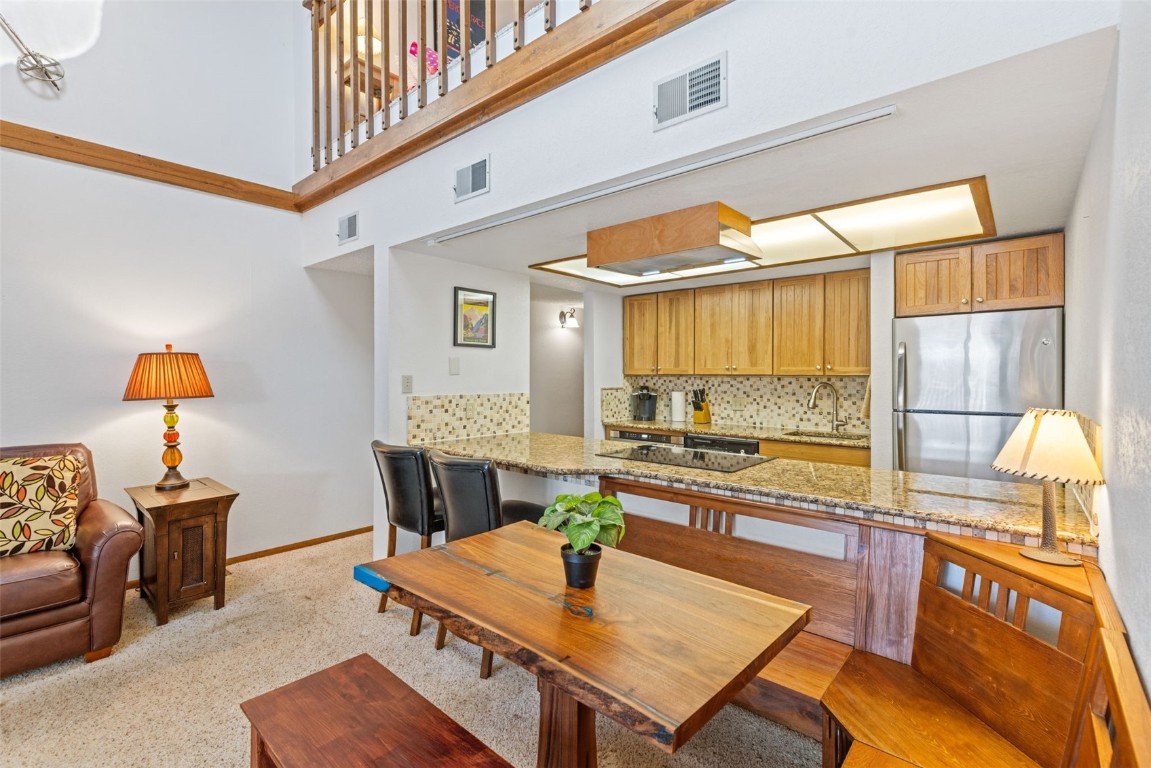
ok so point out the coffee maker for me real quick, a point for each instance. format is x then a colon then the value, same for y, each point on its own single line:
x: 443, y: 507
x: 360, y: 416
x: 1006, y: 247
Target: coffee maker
x: 643, y: 404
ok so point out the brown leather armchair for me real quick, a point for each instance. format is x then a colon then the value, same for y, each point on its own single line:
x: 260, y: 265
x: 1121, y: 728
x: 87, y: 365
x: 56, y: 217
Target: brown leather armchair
x: 58, y: 604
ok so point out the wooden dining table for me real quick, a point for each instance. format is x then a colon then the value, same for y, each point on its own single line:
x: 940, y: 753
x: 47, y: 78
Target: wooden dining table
x: 656, y: 648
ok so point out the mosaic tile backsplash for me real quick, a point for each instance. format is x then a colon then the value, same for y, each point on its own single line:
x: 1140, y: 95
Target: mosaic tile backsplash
x: 449, y: 417
x: 764, y: 401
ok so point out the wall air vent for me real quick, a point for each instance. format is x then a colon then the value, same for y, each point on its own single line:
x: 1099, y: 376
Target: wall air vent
x: 349, y: 228
x: 474, y: 179
x: 691, y: 93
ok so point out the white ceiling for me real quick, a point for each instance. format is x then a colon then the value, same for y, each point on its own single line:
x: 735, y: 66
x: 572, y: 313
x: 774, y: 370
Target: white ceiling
x: 1025, y: 123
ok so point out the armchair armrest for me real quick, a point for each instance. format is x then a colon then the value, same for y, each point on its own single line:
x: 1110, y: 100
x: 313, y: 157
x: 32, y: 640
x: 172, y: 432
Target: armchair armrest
x: 107, y: 538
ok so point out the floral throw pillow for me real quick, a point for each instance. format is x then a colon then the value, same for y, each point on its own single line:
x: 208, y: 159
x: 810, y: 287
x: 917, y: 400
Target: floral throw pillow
x: 38, y: 501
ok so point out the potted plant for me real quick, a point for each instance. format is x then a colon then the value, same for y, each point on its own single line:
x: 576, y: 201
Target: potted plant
x: 587, y: 521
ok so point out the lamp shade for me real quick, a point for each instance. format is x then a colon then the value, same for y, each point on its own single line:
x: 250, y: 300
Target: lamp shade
x: 168, y: 375
x: 1049, y: 445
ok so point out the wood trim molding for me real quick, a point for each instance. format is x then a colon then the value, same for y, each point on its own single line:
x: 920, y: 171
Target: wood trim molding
x: 35, y: 141
x: 604, y: 32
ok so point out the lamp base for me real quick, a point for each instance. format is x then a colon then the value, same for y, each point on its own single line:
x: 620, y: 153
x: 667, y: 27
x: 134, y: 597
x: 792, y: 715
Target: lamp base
x: 1051, y: 558
x: 172, y: 481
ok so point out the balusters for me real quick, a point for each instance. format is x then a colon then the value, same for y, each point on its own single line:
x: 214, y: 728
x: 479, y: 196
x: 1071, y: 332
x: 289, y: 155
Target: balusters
x: 518, y: 28
x: 386, y: 56
x: 465, y: 40
x: 343, y: 116
x: 370, y: 65
x: 422, y: 58
x: 355, y: 75
x: 403, y: 86
x: 491, y: 32
x: 317, y: 157
x: 349, y: 36
x: 442, y: 47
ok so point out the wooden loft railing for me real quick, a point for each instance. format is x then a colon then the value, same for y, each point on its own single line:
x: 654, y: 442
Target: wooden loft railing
x: 362, y: 140
x: 370, y: 58
x: 432, y: 78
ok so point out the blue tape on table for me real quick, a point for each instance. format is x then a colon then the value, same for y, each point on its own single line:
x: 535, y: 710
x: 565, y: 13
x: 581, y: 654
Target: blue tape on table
x: 365, y: 575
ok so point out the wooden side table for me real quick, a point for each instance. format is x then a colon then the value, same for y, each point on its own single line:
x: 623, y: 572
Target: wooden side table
x: 185, y: 543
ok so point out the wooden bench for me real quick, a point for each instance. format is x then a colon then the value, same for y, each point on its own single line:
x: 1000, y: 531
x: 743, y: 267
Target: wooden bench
x: 987, y: 685
x: 357, y: 713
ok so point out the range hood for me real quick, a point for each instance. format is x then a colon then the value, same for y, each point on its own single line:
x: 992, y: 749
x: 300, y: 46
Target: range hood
x: 699, y: 236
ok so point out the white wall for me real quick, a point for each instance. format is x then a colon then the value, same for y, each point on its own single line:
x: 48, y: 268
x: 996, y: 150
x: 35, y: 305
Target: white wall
x: 1109, y: 320
x: 788, y: 62
x: 206, y: 83
x: 603, y: 354
x: 98, y: 267
x: 557, y: 371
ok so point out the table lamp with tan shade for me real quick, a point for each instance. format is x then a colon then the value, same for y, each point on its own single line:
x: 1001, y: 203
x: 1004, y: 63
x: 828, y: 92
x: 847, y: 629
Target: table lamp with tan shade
x: 169, y: 376
x: 1049, y: 445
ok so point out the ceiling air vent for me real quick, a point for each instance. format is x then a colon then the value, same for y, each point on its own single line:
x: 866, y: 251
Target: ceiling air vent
x: 474, y: 179
x: 692, y: 92
x: 349, y: 228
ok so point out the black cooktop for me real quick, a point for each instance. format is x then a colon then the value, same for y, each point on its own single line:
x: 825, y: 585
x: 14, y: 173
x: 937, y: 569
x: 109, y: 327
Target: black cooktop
x: 678, y: 456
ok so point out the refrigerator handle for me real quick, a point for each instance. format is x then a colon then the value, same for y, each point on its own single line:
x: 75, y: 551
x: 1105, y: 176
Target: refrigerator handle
x: 900, y: 442
x: 901, y: 377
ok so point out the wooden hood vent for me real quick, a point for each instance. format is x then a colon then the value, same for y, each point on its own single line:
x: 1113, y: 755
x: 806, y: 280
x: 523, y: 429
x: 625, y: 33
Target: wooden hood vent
x: 699, y: 236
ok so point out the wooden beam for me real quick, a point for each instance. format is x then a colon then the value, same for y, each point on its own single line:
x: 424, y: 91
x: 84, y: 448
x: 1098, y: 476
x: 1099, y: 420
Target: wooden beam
x: 24, y: 138
x: 605, y: 32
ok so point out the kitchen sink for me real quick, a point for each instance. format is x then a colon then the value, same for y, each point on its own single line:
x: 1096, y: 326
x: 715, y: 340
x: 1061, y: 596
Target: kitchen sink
x: 833, y: 435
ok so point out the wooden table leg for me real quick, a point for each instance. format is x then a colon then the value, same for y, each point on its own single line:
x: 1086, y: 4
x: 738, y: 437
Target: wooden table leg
x: 567, y: 731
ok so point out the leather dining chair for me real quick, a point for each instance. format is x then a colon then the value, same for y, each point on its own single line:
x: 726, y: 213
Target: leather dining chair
x: 413, y: 504
x: 470, y: 489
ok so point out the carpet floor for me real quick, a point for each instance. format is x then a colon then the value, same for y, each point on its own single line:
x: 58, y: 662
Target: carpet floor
x: 170, y: 696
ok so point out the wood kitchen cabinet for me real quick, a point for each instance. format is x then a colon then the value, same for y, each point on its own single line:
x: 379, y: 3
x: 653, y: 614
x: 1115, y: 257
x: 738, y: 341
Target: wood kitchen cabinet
x: 639, y: 334
x: 659, y: 333
x: 733, y: 329
x: 822, y: 324
x: 1006, y: 274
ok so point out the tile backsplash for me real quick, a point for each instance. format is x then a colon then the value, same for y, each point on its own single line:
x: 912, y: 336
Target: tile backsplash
x: 764, y: 401
x: 450, y: 417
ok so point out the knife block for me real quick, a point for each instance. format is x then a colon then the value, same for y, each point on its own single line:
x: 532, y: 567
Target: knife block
x: 702, y: 416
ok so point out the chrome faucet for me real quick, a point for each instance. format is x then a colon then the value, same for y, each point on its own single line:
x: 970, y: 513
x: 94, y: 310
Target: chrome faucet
x: 835, y: 422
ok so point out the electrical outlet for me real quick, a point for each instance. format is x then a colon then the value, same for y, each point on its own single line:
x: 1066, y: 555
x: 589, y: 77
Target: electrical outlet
x: 453, y: 366
x: 406, y: 385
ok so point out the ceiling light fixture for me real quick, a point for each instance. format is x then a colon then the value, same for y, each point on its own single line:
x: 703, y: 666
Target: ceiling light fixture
x: 950, y: 212
x: 698, y: 165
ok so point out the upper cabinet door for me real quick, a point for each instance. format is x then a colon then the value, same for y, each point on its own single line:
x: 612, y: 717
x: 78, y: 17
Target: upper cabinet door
x: 713, y: 321
x: 847, y: 327
x: 639, y: 334
x: 798, y: 326
x: 751, y: 342
x: 933, y: 283
x: 1018, y: 274
x: 675, y: 338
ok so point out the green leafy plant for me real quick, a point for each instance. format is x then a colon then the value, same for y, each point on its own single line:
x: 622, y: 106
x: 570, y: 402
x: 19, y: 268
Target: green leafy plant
x: 585, y: 520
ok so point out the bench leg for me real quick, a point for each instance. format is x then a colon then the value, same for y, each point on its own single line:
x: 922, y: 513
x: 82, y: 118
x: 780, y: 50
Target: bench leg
x: 567, y: 731
x: 441, y: 636
x: 485, y: 664
x: 417, y: 622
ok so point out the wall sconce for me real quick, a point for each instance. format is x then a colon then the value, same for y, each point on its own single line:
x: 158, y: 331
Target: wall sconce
x: 568, y: 318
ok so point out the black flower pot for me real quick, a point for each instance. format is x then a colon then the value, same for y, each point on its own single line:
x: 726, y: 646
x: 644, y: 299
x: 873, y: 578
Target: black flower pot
x: 580, y: 569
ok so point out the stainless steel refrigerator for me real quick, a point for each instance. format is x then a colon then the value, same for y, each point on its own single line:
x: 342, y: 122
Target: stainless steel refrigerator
x: 961, y: 382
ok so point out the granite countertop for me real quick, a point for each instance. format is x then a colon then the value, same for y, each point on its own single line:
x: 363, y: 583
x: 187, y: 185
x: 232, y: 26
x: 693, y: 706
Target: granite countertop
x: 742, y: 430
x: 910, y: 499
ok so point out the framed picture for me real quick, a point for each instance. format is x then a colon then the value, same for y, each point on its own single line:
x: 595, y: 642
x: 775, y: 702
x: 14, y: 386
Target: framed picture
x: 475, y: 313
